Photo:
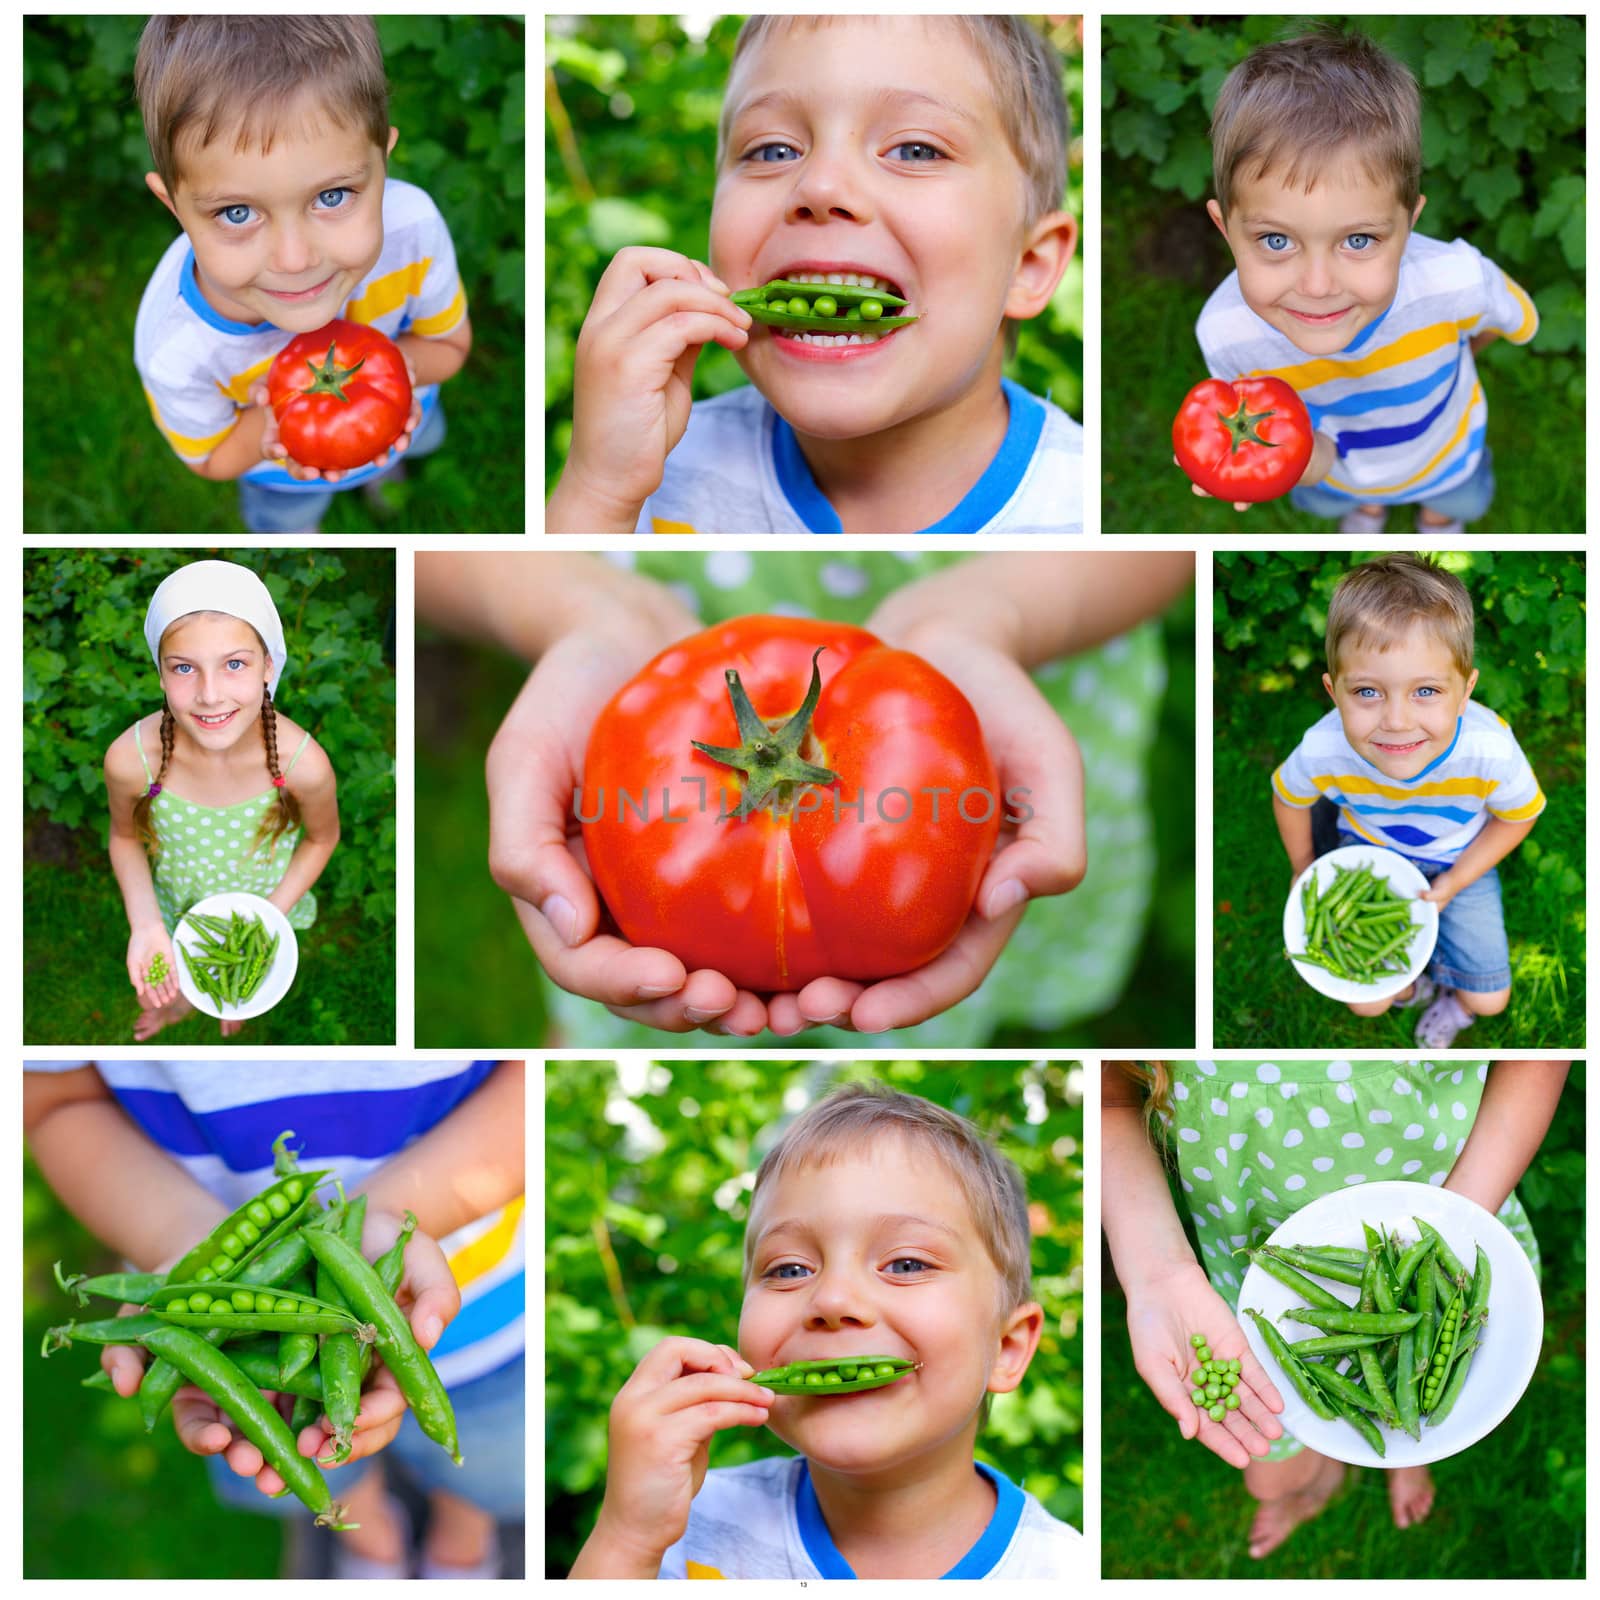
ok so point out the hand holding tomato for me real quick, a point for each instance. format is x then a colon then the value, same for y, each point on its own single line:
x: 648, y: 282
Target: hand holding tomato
x: 1245, y: 441
x: 1037, y: 764
x: 536, y: 851
x: 338, y: 399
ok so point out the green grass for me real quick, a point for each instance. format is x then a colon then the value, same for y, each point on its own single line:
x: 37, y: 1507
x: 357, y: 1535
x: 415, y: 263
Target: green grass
x: 1257, y: 997
x: 95, y: 463
x: 75, y: 988
x: 1162, y: 265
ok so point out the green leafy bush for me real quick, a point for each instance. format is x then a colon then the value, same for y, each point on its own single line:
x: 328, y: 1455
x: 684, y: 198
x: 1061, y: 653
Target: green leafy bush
x: 631, y: 106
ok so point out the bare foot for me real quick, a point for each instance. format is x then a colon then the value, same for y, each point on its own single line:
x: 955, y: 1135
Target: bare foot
x: 1410, y: 1495
x: 1290, y: 1492
x: 1432, y: 519
x: 149, y: 1023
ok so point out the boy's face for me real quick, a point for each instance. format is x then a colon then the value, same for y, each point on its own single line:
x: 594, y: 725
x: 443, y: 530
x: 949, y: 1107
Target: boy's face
x: 1399, y: 706
x: 1318, y: 265
x: 870, y: 146
x: 213, y: 669
x: 283, y: 237
x: 872, y: 1254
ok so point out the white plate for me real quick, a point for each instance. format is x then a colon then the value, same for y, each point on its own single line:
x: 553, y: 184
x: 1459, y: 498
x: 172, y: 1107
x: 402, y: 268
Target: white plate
x: 1404, y: 878
x: 1502, y: 1365
x: 274, y: 986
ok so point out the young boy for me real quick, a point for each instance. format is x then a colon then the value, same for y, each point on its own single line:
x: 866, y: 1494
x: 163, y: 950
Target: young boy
x: 1412, y: 763
x: 880, y: 1225
x: 1317, y: 161
x: 270, y: 138
x: 925, y: 156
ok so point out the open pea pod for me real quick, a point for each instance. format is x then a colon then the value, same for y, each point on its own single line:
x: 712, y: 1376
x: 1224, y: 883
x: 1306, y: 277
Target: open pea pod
x: 281, y: 1207
x: 841, y: 324
x: 774, y: 304
x: 817, y: 1379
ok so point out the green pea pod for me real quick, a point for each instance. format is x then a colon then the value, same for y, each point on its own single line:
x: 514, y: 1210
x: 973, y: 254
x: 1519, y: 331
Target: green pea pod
x: 810, y: 324
x: 1443, y: 1254
x: 1334, y: 1344
x: 258, y: 1223
x: 1317, y: 1266
x: 254, y: 1416
x: 1344, y: 1320
x: 296, y: 1351
x: 1354, y: 1414
x: 1298, y: 1281
x: 403, y: 1356
x: 845, y: 294
x: 1453, y: 1385
x: 1294, y: 1369
x: 1339, y: 1388
x: 111, y: 1330
x: 261, y: 1368
x: 131, y: 1288
x: 1406, y: 1397
x: 836, y: 1375
x: 340, y: 1357
x: 391, y: 1269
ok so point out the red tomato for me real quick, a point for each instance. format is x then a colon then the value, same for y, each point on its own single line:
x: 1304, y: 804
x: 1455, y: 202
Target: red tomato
x: 341, y: 395
x: 1246, y: 440
x: 808, y: 884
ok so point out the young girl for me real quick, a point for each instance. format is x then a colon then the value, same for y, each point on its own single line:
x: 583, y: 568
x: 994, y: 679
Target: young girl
x: 1254, y: 1142
x: 199, y: 792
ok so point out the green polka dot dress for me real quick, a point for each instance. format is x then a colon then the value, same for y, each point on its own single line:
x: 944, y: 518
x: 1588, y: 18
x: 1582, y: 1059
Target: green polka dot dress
x: 206, y: 849
x: 1071, y: 955
x: 1255, y: 1141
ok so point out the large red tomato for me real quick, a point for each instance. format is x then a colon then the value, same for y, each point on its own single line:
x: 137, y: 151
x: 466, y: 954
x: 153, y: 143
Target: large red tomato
x: 1247, y: 440
x: 761, y: 800
x: 341, y: 395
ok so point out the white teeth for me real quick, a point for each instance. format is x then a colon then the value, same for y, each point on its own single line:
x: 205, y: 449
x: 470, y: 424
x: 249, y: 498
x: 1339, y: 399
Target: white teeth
x: 826, y: 339
x: 853, y: 280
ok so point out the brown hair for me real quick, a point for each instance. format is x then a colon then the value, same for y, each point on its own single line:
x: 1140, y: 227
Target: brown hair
x: 205, y: 74
x: 277, y: 819
x: 855, y: 1113
x: 1378, y: 602
x: 1024, y: 73
x: 1293, y: 106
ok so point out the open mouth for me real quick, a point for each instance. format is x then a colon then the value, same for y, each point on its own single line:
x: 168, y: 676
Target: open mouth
x: 1400, y: 749
x: 859, y: 337
x: 221, y: 720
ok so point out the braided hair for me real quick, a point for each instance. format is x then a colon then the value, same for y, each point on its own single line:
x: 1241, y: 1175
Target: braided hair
x: 279, y: 818
x: 141, y: 806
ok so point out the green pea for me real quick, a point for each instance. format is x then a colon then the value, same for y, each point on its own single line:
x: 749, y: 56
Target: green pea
x: 832, y: 1377
x: 180, y: 1304
x: 221, y: 1266
x: 286, y: 1302
x: 1231, y: 1403
x: 242, y: 1300
x: 1217, y: 1413
x: 248, y: 1231
x: 278, y: 1206
x: 1205, y: 1355
x: 825, y: 305
x: 199, y: 1300
x: 871, y: 310
x: 1197, y: 1339
x: 848, y: 1371
x: 798, y: 307
x: 1199, y: 1398
x: 814, y: 1380
x: 1213, y: 1391
x: 204, y: 1275
x: 1197, y: 1378
x: 258, y: 1212
x: 229, y: 1244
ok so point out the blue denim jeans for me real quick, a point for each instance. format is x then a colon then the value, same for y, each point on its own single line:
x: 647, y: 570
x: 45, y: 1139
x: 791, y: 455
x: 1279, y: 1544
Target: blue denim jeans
x: 1467, y: 502
x: 266, y: 510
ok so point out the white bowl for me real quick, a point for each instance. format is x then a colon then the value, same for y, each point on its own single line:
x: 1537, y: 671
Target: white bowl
x: 1502, y: 1365
x: 1405, y: 879
x: 285, y: 962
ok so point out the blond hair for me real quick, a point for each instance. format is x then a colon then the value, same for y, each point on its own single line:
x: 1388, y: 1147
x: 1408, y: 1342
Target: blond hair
x: 854, y: 1114
x: 1024, y: 73
x: 1380, y: 601
x: 201, y: 76
x: 1292, y: 107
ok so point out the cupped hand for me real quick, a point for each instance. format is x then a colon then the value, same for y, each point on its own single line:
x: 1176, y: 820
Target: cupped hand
x: 1041, y: 852
x: 536, y: 855
x: 1194, y: 488
x: 144, y: 945
x: 1163, y: 1315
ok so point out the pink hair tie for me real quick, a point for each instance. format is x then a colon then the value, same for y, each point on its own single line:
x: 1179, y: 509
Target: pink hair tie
x: 153, y: 790
x: 278, y: 783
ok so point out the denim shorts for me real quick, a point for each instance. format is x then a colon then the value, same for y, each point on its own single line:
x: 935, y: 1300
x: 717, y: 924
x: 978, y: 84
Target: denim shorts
x: 1467, y: 502
x: 489, y: 1427
x: 1472, y: 952
x: 267, y: 510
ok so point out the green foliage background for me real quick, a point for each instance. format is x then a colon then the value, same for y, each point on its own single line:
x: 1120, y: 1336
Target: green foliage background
x: 1270, y: 613
x: 631, y: 106
x: 87, y: 676
x: 1503, y: 167
x: 94, y: 461
x: 647, y: 1174
x: 1528, y: 1474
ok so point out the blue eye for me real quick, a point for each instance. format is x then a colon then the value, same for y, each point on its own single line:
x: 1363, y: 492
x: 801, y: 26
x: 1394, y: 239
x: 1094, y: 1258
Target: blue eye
x: 229, y: 218
x: 773, y: 154
x: 1272, y: 249
x: 1428, y: 691
x: 335, y: 206
x: 922, y: 145
x: 1361, y: 692
x: 1363, y: 251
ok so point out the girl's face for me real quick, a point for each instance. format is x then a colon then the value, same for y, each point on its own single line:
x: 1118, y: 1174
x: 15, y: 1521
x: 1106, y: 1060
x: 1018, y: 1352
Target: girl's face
x: 213, y: 670
x: 874, y: 1253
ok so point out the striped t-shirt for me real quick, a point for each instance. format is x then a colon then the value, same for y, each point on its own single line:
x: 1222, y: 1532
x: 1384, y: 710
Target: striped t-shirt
x: 1401, y: 402
x: 1431, y: 817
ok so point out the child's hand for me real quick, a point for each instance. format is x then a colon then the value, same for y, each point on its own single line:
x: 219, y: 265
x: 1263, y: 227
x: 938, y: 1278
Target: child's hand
x: 536, y: 846
x: 652, y: 311
x: 1044, y: 855
x: 660, y: 1433
x: 145, y: 944
x: 1162, y: 1315
x: 1323, y: 455
x: 1442, y: 890
x: 274, y: 449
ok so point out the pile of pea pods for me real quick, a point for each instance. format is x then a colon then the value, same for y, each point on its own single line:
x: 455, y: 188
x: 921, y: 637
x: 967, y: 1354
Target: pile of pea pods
x: 1399, y: 1357
x: 276, y: 1299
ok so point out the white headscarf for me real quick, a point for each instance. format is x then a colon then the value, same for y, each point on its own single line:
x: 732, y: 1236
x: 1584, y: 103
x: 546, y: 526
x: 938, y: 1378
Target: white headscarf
x: 222, y: 586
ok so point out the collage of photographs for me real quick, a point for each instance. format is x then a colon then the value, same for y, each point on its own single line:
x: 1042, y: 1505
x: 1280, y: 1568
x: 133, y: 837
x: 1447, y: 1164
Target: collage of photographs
x: 1059, y: 852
